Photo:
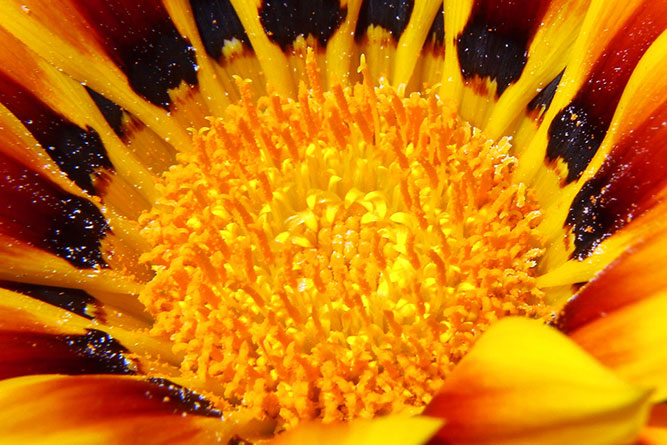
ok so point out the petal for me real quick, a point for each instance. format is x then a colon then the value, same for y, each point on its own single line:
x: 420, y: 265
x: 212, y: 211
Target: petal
x: 611, y: 43
x: 57, y: 237
x: 523, y: 383
x: 131, y: 54
x: 500, y: 54
x: 627, y: 302
x: 387, y: 430
x: 609, y: 207
x: 37, y: 337
x: 69, y: 126
x: 110, y: 410
x: 655, y: 432
x: 412, y: 39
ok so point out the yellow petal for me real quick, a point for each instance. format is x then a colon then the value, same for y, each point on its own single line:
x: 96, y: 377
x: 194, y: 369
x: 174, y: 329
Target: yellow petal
x: 383, y: 431
x: 525, y: 383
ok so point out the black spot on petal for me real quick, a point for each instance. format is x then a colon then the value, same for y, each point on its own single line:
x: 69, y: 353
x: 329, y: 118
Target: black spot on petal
x: 75, y: 235
x: 31, y: 353
x: 578, y: 130
x: 99, y: 348
x: 145, y: 44
x: 79, y: 152
x: 494, y: 43
x: 542, y: 100
x: 112, y: 112
x: 436, y: 35
x: 41, y: 214
x: 591, y: 220
x: 285, y: 20
x: 628, y: 183
x: 392, y: 15
x: 183, y: 399
x: 218, y: 22
x: 575, y: 135
x: 74, y: 300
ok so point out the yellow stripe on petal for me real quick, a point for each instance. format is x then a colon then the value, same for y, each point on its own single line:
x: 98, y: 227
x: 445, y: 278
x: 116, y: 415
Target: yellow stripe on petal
x: 64, y: 37
x: 548, y: 55
x: 21, y: 146
x: 428, y: 72
x: 412, y: 40
x: 24, y: 314
x: 270, y: 56
x: 386, y: 430
x: 340, y: 49
x: 213, y: 92
x: 22, y: 262
x: 457, y: 13
x: 525, y: 383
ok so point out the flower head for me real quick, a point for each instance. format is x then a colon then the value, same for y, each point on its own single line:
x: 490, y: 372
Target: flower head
x: 333, y: 220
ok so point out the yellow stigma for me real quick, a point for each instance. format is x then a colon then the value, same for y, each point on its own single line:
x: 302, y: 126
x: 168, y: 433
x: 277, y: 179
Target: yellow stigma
x: 334, y: 256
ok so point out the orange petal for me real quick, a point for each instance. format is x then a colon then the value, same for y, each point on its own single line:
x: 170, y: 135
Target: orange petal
x: 637, y: 274
x: 523, y: 382
x: 655, y: 432
x: 387, y: 430
x: 110, y: 410
x: 627, y: 302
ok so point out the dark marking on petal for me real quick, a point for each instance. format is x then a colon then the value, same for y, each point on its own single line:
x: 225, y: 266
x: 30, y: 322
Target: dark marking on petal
x: 575, y: 135
x: 75, y: 237
x: 542, y: 100
x: 183, y: 399
x: 494, y: 43
x: 112, y: 112
x: 143, y: 41
x: 578, y: 130
x: 79, y: 152
x: 100, y: 347
x: 30, y: 353
x: 392, y: 15
x: 74, y: 300
x: 285, y: 20
x: 41, y: 214
x: 626, y: 185
x: 436, y: 35
x: 218, y: 22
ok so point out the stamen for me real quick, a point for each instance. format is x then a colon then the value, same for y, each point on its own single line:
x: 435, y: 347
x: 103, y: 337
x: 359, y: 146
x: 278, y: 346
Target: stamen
x: 333, y: 257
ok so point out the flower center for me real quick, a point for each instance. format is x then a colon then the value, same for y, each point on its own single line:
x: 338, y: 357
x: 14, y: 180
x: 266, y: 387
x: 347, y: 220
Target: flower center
x: 334, y: 256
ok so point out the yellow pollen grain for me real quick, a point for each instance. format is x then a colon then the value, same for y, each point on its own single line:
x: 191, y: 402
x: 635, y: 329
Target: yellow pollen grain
x: 334, y: 256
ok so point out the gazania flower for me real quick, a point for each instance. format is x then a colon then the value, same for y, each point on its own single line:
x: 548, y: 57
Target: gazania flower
x: 329, y: 221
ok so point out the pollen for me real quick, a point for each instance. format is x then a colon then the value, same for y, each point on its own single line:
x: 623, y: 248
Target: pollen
x: 334, y: 255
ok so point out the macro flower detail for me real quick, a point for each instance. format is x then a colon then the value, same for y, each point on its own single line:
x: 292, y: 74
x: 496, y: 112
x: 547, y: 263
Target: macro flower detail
x: 390, y: 221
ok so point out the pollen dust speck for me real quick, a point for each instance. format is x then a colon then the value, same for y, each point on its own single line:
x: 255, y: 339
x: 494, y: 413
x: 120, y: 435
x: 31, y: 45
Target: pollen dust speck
x: 335, y: 255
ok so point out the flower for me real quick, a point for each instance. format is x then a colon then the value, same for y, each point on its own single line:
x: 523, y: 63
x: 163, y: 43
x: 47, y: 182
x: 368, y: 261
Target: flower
x: 358, y: 220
